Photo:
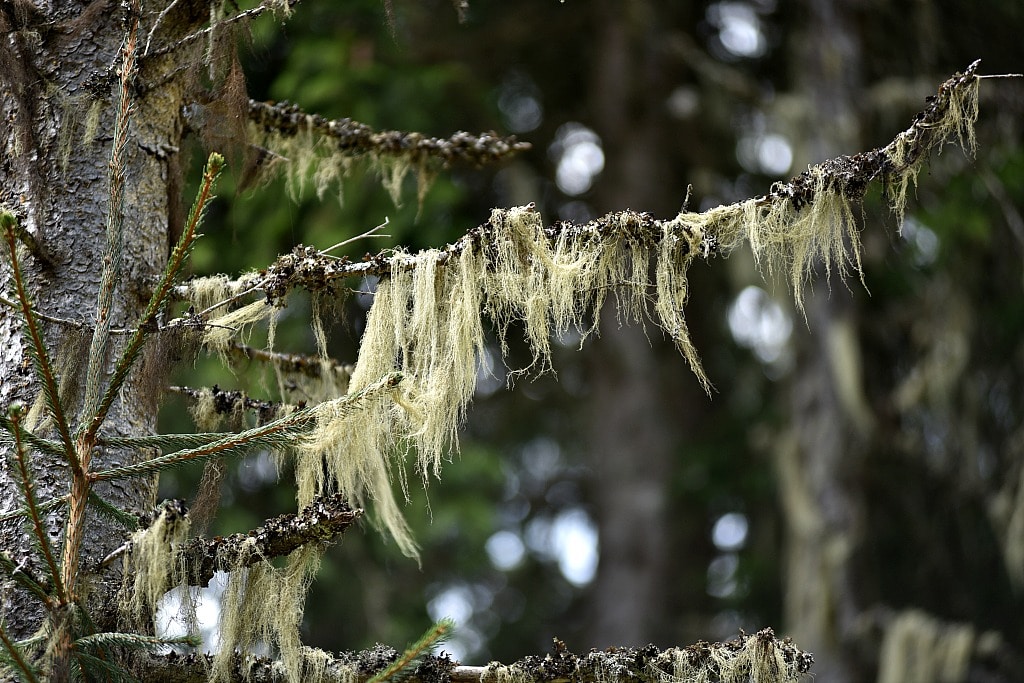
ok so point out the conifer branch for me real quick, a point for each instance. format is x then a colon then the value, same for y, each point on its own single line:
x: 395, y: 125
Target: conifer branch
x: 25, y: 579
x: 226, y: 402
x: 320, y: 522
x: 27, y: 485
x: 274, y: 434
x: 352, y: 138
x: 165, y: 442
x: 40, y: 444
x: 40, y: 356
x: 51, y: 504
x: 112, y: 256
x: 161, y: 292
x: 132, y: 641
x: 113, y: 513
x: 298, y: 363
x: 16, y: 658
x: 404, y: 666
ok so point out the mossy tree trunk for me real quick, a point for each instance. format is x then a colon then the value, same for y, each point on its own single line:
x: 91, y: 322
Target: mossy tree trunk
x: 59, y: 95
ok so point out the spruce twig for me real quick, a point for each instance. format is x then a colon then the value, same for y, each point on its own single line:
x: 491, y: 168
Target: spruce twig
x: 25, y: 579
x: 49, y: 505
x: 133, y: 640
x: 273, y: 434
x: 113, y: 513
x: 410, y: 659
x: 40, y: 356
x: 40, y: 444
x: 35, y: 519
x: 165, y: 442
x: 17, y: 660
x: 111, y: 274
x: 161, y: 292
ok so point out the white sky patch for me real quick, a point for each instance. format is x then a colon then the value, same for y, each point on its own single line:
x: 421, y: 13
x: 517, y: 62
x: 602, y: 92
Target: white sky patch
x: 579, y: 157
x: 168, y: 614
x: 505, y: 550
x: 570, y: 539
x: 766, y: 153
x: 760, y: 324
x: 454, y: 602
x: 574, y: 540
x: 465, y: 604
x: 922, y: 240
x: 730, y: 531
x: 739, y: 29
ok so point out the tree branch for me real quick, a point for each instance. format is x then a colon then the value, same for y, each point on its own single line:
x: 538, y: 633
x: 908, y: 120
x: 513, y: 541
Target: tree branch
x: 226, y: 402
x: 950, y: 112
x: 297, y: 363
x: 319, y: 522
x: 356, y: 139
x: 758, y: 657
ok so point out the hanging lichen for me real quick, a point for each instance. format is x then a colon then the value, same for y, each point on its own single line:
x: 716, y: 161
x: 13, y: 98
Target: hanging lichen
x: 427, y: 323
x: 263, y: 604
x: 151, y: 566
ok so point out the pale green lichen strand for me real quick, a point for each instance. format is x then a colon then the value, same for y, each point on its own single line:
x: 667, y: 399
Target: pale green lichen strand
x: 262, y: 604
x: 151, y: 566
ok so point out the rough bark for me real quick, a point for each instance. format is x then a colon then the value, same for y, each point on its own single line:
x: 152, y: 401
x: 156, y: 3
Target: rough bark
x: 59, y: 63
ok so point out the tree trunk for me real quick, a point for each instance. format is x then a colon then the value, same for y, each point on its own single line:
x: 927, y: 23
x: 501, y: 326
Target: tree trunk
x: 818, y: 461
x: 59, y: 98
x: 642, y: 400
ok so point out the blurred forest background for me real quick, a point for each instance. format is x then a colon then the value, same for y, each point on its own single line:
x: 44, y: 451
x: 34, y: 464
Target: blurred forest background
x: 855, y: 482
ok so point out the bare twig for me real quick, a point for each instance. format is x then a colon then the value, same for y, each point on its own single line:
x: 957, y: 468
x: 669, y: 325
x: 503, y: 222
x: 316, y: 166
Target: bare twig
x: 263, y: 8
x: 372, y: 232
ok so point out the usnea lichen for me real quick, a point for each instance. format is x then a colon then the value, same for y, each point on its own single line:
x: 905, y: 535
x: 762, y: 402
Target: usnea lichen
x: 262, y: 604
x: 426, y: 322
x: 152, y: 566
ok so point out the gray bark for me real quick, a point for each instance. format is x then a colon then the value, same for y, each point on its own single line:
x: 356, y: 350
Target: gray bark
x: 59, y: 61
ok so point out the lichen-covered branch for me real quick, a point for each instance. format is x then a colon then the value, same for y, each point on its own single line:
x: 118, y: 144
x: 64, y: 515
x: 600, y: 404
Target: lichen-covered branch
x: 758, y: 657
x: 427, y: 318
x: 320, y: 522
x: 294, y: 363
x: 951, y: 112
x: 228, y: 402
x: 356, y: 139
